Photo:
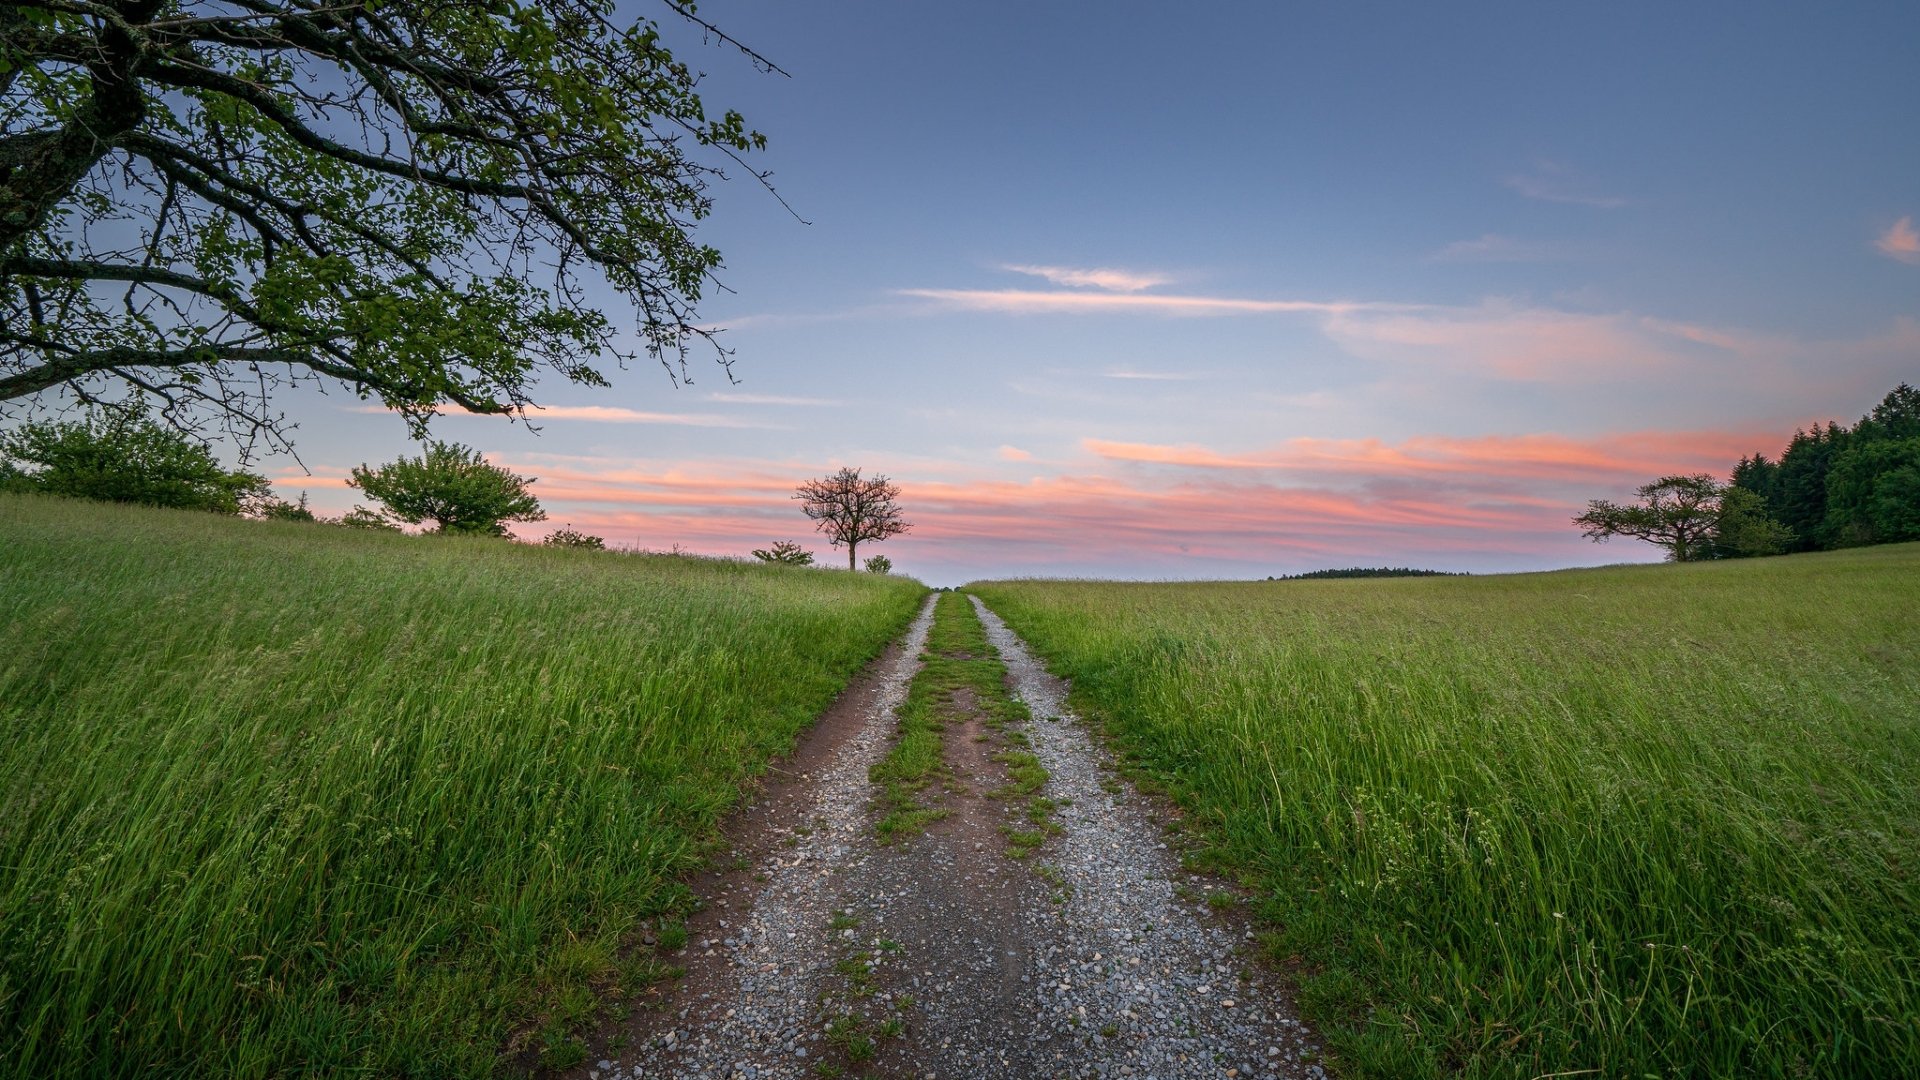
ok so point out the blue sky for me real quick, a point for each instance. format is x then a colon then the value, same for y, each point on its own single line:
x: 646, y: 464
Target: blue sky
x: 1130, y: 290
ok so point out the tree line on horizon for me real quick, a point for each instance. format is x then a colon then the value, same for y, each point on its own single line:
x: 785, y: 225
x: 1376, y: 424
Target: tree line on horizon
x: 1365, y: 572
x: 1832, y: 487
x: 1838, y: 487
x: 123, y: 454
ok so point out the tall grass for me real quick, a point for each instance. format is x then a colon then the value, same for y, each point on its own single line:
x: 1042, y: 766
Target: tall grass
x: 1652, y: 821
x: 287, y: 799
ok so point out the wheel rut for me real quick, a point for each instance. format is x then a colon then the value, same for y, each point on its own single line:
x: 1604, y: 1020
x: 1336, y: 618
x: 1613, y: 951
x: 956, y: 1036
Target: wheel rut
x: 827, y: 952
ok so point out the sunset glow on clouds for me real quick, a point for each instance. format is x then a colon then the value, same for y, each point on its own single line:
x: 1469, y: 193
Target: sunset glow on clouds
x: 1460, y: 502
x: 1900, y: 241
x: 1453, y: 500
x: 1099, y: 278
x: 1266, y: 311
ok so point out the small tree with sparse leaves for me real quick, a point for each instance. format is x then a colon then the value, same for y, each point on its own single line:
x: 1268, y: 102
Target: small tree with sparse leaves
x: 785, y: 552
x: 362, y: 518
x: 282, y: 510
x: 568, y: 537
x: 851, y: 509
x: 879, y: 564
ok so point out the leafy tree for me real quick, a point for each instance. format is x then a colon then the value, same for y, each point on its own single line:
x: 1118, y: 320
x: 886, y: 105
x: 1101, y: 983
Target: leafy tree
x: 282, y: 510
x: 786, y: 552
x: 878, y: 564
x: 851, y: 510
x: 1743, y: 528
x: 1873, y: 493
x: 122, y: 455
x: 1760, y: 476
x: 12, y: 479
x: 202, y: 201
x: 1675, y: 512
x: 1896, y: 417
x: 454, y: 487
x: 566, y: 536
x: 1800, y: 494
x: 1895, y: 508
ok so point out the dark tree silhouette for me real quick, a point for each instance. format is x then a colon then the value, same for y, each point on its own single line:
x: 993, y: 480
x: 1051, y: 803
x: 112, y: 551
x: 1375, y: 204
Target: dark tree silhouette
x: 1693, y: 517
x: 851, y: 510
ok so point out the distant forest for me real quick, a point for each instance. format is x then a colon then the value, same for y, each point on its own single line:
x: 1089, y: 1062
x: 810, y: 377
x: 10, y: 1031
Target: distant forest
x: 1838, y: 487
x: 1365, y: 571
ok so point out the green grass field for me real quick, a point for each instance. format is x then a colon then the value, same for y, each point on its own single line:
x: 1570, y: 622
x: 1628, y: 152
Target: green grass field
x: 1635, y: 821
x: 284, y: 799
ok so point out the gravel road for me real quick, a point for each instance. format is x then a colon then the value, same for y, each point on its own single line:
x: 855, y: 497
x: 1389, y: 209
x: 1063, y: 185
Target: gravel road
x: 941, y: 956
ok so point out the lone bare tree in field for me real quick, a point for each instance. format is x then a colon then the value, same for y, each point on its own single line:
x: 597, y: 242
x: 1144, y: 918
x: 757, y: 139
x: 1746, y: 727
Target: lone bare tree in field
x: 849, y: 509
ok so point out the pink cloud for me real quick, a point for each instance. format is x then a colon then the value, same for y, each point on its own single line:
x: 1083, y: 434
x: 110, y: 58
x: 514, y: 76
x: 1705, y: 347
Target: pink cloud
x: 1040, y: 302
x: 1521, y: 343
x: 1901, y: 242
x: 1443, y: 500
x: 1098, y: 277
x: 1540, y: 458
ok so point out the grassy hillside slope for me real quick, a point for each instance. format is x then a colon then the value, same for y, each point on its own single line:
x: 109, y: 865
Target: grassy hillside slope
x: 1622, y: 822
x: 282, y: 798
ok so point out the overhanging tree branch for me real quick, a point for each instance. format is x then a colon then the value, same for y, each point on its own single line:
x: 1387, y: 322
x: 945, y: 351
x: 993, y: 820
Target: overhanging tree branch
x: 356, y: 190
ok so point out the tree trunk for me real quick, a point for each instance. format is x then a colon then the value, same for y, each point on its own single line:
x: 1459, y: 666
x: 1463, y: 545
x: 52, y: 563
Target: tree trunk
x: 39, y: 168
x: 851, y: 545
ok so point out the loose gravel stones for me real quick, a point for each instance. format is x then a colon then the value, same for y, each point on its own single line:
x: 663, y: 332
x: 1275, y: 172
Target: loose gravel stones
x: 1138, y: 981
x: 1088, y: 959
x: 766, y: 1020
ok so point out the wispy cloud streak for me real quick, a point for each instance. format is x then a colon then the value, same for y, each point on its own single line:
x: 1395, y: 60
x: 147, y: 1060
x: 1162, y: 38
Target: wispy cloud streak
x: 1550, y: 181
x: 1098, y: 277
x: 1496, y: 459
x: 1040, y: 302
x: 1151, y: 376
x: 1491, y: 248
x: 771, y: 399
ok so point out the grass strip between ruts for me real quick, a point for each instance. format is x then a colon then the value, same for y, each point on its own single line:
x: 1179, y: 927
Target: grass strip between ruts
x: 958, y: 660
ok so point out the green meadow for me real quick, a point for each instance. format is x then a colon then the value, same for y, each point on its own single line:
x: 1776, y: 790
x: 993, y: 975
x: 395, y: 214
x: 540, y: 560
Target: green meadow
x: 286, y: 799
x: 1624, y: 822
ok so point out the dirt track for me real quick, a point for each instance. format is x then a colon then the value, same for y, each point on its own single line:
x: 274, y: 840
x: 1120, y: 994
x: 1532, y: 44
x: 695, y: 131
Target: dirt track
x: 822, y: 951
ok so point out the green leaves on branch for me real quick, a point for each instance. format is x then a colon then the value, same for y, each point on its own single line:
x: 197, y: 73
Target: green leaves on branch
x: 201, y: 202
x: 452, y: 486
